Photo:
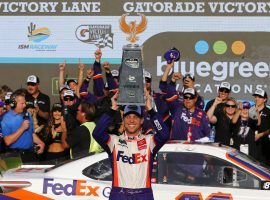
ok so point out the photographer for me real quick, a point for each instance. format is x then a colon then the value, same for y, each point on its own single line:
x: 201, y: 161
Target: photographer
x: 18, y: 131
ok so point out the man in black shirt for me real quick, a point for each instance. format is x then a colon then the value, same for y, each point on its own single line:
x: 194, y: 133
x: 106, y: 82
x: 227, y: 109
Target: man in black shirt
x: 40, y: 105
x: 223, y: 93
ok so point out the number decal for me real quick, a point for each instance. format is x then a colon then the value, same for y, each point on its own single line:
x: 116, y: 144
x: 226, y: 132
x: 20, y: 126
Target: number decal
x: 198, y: 196
x: 266, y: 185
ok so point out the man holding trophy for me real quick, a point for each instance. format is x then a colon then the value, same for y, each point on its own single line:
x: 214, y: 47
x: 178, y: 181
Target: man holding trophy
x: 132, y: 152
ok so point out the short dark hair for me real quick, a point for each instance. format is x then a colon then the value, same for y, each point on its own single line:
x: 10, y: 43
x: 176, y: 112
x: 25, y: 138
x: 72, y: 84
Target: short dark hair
x: 89, y: 110
x: 19, y: 92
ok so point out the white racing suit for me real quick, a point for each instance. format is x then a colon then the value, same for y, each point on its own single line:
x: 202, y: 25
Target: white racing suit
x: 131, y: 157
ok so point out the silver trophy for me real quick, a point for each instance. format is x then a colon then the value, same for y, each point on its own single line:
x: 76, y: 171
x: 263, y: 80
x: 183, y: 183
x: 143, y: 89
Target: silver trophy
x: 131, y: 76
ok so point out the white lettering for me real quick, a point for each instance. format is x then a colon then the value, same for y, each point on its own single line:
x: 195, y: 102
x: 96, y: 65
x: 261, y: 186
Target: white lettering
x: 219, y: 71
x: 166, y: 7
x: 245, y: 67
x: 261, y: 69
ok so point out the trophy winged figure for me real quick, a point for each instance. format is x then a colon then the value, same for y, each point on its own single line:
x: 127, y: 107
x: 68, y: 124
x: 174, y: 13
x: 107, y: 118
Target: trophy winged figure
x: 132, y: 28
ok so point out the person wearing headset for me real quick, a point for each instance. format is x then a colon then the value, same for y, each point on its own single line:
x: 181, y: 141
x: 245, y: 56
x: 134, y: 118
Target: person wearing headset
x: 18, y: 131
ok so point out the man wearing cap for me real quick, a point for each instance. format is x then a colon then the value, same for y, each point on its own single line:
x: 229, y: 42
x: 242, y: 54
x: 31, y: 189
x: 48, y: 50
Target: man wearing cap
x: 223, y: 93
x: 73, y: 84
x: 62, y: 90
x: 40, y: 101
x: 7, y: 101
x: 189, y: 82
x: 132, y: 153
x: 262, y: 138
x: 70, y: 107
x: 187, y: 118
x: 159, y: 103
x: 18, y: 131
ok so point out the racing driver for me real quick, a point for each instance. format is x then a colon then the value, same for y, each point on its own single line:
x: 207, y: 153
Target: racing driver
x: 132, y: 153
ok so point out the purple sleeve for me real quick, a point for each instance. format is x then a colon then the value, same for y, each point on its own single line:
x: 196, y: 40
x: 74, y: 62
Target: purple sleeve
x: 85, y: 95
x: 99, y: 132
x: 162, y: 132
x: 163, y: 86
x: 84, y: 87
x: 172, y: 99
x: 98, y: 80
x: 111, y: 83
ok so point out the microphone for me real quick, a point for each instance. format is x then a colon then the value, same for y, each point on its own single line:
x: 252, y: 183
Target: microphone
x: 26, y: 115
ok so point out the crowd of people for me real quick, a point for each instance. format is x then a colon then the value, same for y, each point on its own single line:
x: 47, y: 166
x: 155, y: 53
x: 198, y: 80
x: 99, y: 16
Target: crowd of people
x: 39, y: 131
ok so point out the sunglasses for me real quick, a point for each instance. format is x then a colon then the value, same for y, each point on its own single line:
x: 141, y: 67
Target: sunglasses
x: 224, y: 90
x: 68, y: 99
x: 189, y: 97
x: 232, y: 106
x: 32, y: 84
x: 147, y: 80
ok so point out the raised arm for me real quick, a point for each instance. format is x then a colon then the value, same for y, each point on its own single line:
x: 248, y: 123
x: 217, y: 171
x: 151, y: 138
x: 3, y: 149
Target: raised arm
x: 62, y: 67
x: 162, y: 132
x: 167, y: 71
x: 237, y: 113
x: 98, y: 80
x: 110, y: 80
x: 81, y: 67
x: 210, y: 112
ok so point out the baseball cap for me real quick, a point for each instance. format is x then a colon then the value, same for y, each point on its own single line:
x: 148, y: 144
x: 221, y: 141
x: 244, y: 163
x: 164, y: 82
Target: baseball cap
x: 147, y: 74
x: 115, y: 73
x: 57, y: 106
x: 189, y: 91
x: 72, y: 80
x: 68, y: 93
x: 7, y: 97
x: 32, y: 79
x: 133, y: 109
x: 225, y: 85
x: 64, y: 87
x: 191, y: 76
x: 246, y: 105
x: 261, y: 93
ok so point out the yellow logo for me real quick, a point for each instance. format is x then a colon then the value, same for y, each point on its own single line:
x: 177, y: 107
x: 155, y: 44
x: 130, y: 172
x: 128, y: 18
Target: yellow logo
x: 132, y: 28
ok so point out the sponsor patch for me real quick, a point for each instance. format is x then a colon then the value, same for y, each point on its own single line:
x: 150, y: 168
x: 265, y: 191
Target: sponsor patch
x: 142, y: 144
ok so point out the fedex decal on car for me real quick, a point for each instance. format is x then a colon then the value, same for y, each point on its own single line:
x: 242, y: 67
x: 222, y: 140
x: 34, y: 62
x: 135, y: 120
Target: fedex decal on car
x: 76, y: 188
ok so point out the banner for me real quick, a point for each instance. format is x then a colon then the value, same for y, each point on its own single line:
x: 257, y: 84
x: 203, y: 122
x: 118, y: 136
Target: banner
x: 218, y: 40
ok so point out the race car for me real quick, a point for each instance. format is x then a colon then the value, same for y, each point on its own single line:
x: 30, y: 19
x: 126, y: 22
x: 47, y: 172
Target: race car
x: 181, y: 172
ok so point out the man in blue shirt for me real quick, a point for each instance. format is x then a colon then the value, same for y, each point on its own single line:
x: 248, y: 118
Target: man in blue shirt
x: 18, y: 131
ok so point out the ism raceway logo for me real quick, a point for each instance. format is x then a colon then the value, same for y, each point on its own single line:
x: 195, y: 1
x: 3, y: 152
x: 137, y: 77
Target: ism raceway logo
x: 99, y: 35
x: 36, y: 39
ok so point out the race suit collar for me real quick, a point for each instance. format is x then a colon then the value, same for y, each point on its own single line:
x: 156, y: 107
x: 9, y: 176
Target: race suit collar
x: 131, y: 137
